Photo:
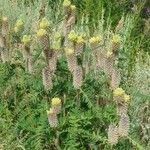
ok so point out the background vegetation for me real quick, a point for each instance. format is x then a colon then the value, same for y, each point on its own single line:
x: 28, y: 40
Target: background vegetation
x: 87, y: 112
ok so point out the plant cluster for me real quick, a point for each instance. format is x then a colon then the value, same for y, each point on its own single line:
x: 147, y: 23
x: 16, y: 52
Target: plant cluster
x: 64, y: 83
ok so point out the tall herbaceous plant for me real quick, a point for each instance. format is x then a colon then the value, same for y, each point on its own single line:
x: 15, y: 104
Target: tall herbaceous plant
x: 61, y: 64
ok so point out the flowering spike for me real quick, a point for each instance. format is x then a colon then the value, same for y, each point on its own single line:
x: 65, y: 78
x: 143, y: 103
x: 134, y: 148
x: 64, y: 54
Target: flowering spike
x: 44, y: 24
x: 56, y: 105
x: 47, y: 79
x: 116, y: 39
x: 77, y: 77
x: 72, y: 36
x: 41, y: 32
x: 26, y: 39
x: 118, y: 92
x: 112, y: 134
x: 124, y: 124
x: 127, y: 98
x: 19, y: 23
x: 66, y: 3
x: 52, y: 118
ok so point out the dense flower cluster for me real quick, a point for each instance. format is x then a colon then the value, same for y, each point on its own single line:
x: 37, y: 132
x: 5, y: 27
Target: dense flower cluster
x: 72, y: 44
x: 54, y: 111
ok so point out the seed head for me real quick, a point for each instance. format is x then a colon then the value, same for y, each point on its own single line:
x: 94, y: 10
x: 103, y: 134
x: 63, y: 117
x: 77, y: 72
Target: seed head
x: 47, y: 79
x: 124, y: 125
x: 122, y: 110
x: 5, y: 26
x: 52, y: 118
x: 77, y: 77
x: 72, y: 62
x: 115, y: 79
x: 112, y: 134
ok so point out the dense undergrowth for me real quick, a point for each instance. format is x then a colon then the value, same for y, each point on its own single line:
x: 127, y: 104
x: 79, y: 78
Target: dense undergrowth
x: 87, y: 111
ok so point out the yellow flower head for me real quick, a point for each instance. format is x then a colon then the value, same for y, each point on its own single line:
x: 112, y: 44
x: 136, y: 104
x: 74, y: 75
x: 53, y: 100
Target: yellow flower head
x: 116, y: 39
x: 26, y: 39
x: 95, y: 39
x: 58, y: 36
x: 126, y: 98
x: 16, y: 29
x: 73, y: 7
x: 57, y: 46
x: 5, y: 19
x: 41, y: 32
x: 80, y: 40
x: 69, y: 51
x: 92, y: 40
x: 19, y: 23
x: 56, y: 101
x: 66, y: 3
x: 50, y: 111
x: 44, y: 24
x: 118, y: 92
x: 98, y: 38
x: 72, y: 36
x: 109, y: 54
